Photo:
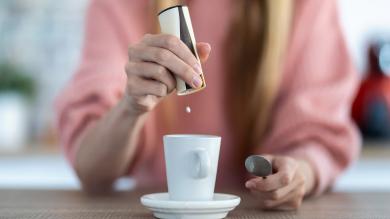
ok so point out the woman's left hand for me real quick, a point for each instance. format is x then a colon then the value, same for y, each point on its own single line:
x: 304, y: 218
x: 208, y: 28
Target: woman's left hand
x: 286, y: 187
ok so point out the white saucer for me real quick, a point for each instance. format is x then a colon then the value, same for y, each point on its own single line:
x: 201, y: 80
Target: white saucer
x: 164, y: 208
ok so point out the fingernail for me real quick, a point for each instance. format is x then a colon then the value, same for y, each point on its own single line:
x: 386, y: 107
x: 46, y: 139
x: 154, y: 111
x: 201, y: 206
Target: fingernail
x: 197, y: 81
x: 198, y: 68
x: 249, y: 185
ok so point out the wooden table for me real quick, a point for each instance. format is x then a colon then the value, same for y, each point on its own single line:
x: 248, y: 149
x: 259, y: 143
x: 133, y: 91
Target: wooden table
x: 21, y: 204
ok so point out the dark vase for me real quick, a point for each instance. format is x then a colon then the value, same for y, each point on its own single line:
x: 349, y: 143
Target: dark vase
x: 371, y: 108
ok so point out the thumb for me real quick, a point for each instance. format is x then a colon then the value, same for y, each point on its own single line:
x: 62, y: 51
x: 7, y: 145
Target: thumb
x: 204, y: 50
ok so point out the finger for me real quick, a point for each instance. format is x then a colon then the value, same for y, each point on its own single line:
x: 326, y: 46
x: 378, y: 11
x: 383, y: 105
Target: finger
x: 204, y: 50
x: 282, y: 192
x: 137, y: 86
x: 145, y: 102
x: 176, y: 46
x: 265, y: 203
x: 291, y: 205
x: 154, y: 71
x: 294, y: 196
x: 169, y: 60
x: 285, y: 170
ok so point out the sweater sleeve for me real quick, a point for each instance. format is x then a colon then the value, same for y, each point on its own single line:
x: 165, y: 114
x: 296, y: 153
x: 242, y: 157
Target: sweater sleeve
x: 311, y: 116
x: 100, y: 80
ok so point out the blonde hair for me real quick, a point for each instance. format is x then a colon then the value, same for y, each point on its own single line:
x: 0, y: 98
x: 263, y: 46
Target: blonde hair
x: 256, y: 46
x: 257, y: 42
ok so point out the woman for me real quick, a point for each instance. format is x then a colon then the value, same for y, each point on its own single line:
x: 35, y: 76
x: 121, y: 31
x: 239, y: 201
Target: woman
x: 279, y: 82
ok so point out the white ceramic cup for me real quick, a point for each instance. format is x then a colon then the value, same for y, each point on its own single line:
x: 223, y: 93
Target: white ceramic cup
x: 191, y: 165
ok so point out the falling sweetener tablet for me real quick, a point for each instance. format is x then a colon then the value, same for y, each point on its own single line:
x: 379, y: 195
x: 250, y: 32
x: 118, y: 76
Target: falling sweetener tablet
x: 188, y: 109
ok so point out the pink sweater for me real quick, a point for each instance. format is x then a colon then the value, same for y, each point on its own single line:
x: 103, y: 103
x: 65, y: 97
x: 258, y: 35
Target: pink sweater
x: 311, y: 116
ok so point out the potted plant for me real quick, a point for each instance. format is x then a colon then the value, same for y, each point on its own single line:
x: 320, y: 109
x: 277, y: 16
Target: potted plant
x: 17, y: 90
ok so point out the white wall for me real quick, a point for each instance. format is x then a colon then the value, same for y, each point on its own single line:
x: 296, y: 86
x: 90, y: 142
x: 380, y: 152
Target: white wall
x: 44, y: 37
x: 361, y: 20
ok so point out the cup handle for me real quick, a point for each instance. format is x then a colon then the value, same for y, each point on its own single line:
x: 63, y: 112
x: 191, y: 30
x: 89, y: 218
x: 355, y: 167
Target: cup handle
x: 202, y: 164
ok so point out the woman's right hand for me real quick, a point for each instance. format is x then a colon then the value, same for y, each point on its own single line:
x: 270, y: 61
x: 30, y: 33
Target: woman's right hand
x: 152, y: 64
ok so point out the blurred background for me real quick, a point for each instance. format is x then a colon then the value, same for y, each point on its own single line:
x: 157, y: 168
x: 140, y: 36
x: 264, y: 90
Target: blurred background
x: 40, y: 43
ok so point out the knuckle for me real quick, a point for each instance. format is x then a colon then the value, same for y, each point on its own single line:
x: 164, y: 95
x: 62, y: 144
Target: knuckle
x: 162, y: 55
x: 160, y: 71
x: 301, y: 192
x: 147, y: 36
x: 129, y: 66
x: 191, y: 59
x: 171, y: 87
x: 142, y: 103
x: 170, y: 41
x: 296, y: 203
x: 188, y: 73
x: 264, y: 186
x: 162, y: 90
x: 301, y: 180
x: 130, y: 79
x: 149, y: 107
x: 289, y: 160
x: 194, y: 61
x: 130, y: 51
x: 285, y: 179
x: 268, y: 204
x: 275, y: 195
x: 130, y: 87
x: 133, y: 51
x: 294, y: 164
